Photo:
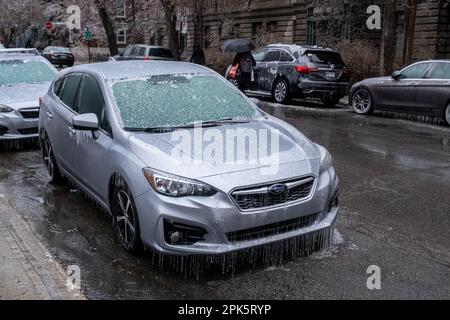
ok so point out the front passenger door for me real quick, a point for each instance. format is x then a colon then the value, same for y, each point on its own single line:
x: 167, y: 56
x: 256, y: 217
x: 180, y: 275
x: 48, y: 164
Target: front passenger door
x: 268, y: 74
x: 93, y: 149
x: 400, y: 94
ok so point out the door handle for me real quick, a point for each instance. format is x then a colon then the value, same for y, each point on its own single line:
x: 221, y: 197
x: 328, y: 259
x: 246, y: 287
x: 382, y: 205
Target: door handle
x: 49, y: 115
x: 72, y: 131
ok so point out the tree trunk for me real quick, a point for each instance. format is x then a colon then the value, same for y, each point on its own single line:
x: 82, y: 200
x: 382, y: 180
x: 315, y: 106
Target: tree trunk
x: 171, y: 22
x: 410, y: 27
x: 388, y: 39
x: 108, y: 26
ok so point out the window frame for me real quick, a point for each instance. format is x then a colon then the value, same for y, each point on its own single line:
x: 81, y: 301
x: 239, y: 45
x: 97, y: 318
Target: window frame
x: 121, y: 9
x: 118, y: 35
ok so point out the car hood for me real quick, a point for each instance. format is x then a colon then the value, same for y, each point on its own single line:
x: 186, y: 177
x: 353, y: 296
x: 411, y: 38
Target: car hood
x: 372, y: 81
x: 16, y: 96
x: 157, y: 150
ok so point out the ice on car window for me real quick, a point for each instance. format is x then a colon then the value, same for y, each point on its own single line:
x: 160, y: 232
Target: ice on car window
x: 162, y: 101
x: 14, y: 72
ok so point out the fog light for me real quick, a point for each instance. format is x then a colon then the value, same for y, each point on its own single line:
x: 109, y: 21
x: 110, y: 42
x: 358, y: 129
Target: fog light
x: 181, y: 234
x: 175, y: 237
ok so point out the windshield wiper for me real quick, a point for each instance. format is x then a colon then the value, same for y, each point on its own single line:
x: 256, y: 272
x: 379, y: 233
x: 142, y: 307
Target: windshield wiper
x: 150, y: 129
x: 204, y: 124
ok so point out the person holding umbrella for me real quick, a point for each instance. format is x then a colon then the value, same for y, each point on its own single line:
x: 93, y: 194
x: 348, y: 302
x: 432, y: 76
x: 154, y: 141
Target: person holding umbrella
x: 243, y: 62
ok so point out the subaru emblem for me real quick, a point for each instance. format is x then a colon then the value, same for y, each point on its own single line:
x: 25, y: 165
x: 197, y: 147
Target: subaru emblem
x: 278, y: 189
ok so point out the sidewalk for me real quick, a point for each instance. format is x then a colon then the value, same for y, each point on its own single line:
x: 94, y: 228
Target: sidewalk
x: 27, y: 270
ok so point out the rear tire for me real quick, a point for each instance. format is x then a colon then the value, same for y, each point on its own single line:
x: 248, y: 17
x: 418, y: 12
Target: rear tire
x: 53, y: 173
x: 126, y: 221
x: 362, y: 101
x: 447, y: 115
x: 280, y: 91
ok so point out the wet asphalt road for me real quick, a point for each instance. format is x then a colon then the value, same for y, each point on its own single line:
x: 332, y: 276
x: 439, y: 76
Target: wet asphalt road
x: 395, y: 213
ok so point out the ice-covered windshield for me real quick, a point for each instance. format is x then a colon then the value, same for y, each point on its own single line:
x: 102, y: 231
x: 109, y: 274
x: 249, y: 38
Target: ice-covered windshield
x: 177, y: 100
x: 13, y: 72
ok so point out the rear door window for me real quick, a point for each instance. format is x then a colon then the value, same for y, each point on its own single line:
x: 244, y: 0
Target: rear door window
x: 416, y: 71
x: 141, y: 52
x: 325, y: 58
x: 441, y: 70
x: 273, y: 56
x: 70, y: 89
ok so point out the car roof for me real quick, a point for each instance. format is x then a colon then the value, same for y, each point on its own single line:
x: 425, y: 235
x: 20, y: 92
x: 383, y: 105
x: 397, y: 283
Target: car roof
x: 20, y: 56
x: 32, y: 51
x: 136, y: 69
x: 301, y: 48
x: 149, y: 46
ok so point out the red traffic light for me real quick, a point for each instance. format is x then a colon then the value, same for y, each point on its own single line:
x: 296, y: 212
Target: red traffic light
x: 48, y: 25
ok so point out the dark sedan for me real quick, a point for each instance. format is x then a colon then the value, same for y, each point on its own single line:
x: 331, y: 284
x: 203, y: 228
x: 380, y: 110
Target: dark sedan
x: 422, y: 89
x: 59, y: 56
x: 292, y: 71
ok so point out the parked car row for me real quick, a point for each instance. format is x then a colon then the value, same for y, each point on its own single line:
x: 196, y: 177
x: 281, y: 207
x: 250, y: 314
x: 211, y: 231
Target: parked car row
x: 107, y: 127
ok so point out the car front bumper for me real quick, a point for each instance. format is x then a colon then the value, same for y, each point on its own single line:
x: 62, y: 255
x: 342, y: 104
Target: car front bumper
x: 13, y: 127
x: 219, y: 217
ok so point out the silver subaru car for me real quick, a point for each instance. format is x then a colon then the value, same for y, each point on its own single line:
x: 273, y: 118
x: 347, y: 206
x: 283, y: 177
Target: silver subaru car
x: 24, y: 77
x: 147, y: 139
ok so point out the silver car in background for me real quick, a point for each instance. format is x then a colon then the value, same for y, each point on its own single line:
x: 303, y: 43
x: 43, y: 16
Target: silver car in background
x: 110, y: 127
x: 23, y: 79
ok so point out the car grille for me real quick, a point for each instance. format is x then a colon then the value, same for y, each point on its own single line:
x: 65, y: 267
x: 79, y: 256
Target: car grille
x: 28, y: 131
x: 30, y: 113
x: 260, y: 197
x: 273, y: 229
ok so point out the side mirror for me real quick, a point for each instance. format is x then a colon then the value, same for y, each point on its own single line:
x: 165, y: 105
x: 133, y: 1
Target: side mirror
x: 85, y: 122
x: 396, y: 75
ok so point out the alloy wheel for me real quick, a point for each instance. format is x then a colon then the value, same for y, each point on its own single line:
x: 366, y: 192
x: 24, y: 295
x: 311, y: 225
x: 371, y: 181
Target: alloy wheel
x: 280, y: 91
x: 49, y: 161
x: 362, y: 101
x: 125, y: 218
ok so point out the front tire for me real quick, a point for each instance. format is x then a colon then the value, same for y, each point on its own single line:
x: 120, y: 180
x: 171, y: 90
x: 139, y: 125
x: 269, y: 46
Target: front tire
x: 362, y: 101
x: 126, y: 221
x: 447, y: 115
x: 280, y: 91
x: 53, y: 173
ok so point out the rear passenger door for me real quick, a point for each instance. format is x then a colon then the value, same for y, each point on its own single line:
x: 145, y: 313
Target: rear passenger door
x: 59, y: 117
x: 259, y: 57
x: 267, y: 75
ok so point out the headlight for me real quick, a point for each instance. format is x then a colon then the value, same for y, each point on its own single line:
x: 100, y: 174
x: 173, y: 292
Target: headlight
x: 326, y: 160
x: 5, y: 109
x: 174, y: 186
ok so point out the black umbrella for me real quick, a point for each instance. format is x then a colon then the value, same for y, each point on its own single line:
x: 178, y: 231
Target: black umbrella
x: 238, y: 46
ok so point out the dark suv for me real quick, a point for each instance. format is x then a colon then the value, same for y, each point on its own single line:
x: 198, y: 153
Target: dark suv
x: 144, y: 52
x: 288, y: 71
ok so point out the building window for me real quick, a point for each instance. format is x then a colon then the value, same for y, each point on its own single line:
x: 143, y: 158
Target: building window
x: 311, y: 27
x: 207, y: 37
x: 121, y: 11
x: 256, y: 29
x: 236, y: 31
x: 271, y: 27
x: 122, y: 36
